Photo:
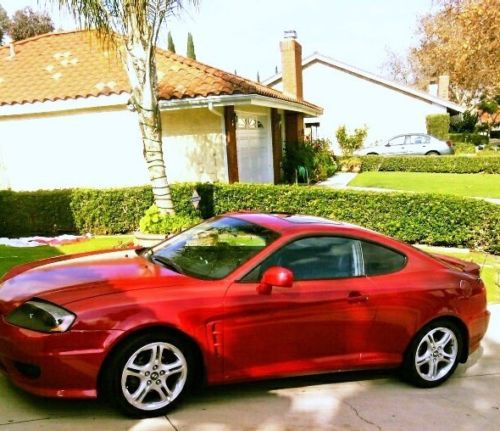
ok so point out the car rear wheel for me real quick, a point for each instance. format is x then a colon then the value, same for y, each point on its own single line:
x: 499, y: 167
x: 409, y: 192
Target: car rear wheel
x: 372, y: 154
x: 149, y: 374
x: 432, y: 153
x: 433, y: 354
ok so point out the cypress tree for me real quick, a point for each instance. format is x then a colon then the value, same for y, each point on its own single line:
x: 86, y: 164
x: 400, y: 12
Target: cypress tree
x: 190, y: 47
x: 171, y: 45
x: 258, y: 77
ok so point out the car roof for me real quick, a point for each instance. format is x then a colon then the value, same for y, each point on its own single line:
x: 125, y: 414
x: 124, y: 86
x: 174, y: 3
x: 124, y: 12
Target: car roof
x: 285, y: 222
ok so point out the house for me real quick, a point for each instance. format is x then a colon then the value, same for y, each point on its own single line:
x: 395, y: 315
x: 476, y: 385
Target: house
x: 65, y: 119
x: 357, y: 98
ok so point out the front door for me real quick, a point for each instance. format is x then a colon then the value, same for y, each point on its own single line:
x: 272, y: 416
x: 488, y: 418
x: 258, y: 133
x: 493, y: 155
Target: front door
x: 319, y: 324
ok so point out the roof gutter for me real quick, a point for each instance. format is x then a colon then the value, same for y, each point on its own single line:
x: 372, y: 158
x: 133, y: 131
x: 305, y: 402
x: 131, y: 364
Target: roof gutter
x: 212, y: 102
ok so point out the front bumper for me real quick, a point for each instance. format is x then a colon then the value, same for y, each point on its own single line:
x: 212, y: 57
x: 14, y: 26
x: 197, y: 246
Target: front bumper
x: 54, y: 365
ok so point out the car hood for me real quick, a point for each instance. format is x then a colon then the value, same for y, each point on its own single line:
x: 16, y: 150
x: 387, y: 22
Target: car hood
x: 71, y: 278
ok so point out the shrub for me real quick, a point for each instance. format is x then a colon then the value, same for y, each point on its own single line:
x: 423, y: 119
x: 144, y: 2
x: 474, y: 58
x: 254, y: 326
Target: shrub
x: 413, y: 217
x: 464, y: 148
x: 438, y: 125
x: 308, y: 161
x: 351, y: 142
x: 351, y: 164
x: 442, y: 164
x: 472, y: 138
x: 463, y: 123
x: 154, y: 222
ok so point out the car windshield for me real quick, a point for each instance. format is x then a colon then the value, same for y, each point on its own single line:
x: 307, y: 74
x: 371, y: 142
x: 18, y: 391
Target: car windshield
x: 213, y: 249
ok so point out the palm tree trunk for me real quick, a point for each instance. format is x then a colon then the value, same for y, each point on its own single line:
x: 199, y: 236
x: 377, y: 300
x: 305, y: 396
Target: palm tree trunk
x: 142, y: 76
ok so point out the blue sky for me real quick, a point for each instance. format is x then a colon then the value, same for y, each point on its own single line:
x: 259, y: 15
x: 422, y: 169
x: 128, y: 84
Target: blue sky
x: 244, y: 35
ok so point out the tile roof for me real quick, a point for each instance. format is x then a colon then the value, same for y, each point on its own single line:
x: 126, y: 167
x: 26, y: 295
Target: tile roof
x: 70, y: 65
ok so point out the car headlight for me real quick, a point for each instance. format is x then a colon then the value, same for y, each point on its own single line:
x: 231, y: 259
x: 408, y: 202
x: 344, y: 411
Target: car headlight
x: 41, y: 316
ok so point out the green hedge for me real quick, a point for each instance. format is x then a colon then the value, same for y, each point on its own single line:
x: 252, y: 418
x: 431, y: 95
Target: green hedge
x: 443, y: 164
x: 438, y: 125
x: 471, y: 138
x: 424, y: 218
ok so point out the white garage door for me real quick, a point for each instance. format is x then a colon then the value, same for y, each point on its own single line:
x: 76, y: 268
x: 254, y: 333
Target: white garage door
x: 255, y: 155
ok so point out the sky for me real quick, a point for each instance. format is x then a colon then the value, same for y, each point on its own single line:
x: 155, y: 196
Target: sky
x: 244, y: 35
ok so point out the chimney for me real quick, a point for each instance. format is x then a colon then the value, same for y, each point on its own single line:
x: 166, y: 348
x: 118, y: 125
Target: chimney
x: 291, y: 59
x: 12, y: 50
x: 443, y: 86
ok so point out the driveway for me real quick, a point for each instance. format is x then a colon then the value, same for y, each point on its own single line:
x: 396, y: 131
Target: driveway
x: 348, y: 401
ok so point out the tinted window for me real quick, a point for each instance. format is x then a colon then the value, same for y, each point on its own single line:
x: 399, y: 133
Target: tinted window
x: 381, y: 260
x: 213, y: 249
x: 315, y: 258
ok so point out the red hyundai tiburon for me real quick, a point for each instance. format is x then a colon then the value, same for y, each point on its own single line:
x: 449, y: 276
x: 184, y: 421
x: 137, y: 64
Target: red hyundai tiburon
x: 239, y: 297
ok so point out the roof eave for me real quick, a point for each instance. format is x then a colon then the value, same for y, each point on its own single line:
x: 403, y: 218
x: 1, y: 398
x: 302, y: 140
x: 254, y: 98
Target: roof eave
x: 239, y: 99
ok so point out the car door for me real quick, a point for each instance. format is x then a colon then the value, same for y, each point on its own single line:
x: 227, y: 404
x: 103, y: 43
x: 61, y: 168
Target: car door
x: 318, y: 324
x: 395, y: 146
x: 418, y: 144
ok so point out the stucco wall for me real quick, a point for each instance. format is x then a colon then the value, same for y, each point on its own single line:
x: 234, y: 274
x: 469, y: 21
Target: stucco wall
x: 98, y: 148
x: 354, y: 101
x: 102, y: 148
x: 194, y: 145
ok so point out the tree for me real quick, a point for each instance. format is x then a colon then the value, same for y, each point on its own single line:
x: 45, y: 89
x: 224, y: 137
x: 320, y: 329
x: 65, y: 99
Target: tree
x: 134, y: 25
x: 190, y: 47
x: 350, y: 142
x: 170, y: 43
x: 4, y: 23
x: 459, y: 39
x: 28, y: 23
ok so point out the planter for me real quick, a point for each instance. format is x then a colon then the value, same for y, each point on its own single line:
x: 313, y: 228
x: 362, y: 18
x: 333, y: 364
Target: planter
x: 148, y: 239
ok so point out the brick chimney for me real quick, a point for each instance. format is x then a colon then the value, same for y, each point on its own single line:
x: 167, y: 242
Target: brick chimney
x: 291, y: 59
x: 443, y: 87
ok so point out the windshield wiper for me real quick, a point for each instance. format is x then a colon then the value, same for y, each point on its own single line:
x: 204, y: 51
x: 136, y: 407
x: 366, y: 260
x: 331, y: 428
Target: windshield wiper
x: 168, y: 263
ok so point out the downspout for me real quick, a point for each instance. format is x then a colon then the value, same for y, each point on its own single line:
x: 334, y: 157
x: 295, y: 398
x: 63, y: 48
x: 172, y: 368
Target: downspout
x: 213, y: 110
x: 221, y: 116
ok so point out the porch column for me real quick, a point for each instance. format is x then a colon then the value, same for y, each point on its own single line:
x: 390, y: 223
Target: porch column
x: 231, y: 149
x: 277, y: 147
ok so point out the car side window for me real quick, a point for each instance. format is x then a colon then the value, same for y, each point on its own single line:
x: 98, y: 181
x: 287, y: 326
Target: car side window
x: 398, y: 140
x: 315, y: 258
x: 381, y: 260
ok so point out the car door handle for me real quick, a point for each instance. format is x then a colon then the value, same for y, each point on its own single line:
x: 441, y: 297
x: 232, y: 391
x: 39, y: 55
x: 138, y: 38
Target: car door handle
x: 356, y: 296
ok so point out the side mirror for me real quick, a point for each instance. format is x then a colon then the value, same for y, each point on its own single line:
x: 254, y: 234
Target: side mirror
x: 275, y: 276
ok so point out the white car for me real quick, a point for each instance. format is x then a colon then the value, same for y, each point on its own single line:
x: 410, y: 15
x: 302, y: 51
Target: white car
x: 409, y: 144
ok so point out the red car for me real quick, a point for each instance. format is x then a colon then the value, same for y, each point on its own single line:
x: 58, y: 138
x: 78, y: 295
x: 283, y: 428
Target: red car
x: 239, y: 297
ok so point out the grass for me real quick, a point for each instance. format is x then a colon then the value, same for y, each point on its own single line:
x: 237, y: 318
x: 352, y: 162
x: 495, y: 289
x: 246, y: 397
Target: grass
x: 12, y: 256
x: 466, y: 185
x: 490, y: 272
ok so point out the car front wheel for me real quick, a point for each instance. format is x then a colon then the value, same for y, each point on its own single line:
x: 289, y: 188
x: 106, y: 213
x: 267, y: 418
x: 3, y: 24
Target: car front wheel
x: 433, y: 354
x: 149, y: 374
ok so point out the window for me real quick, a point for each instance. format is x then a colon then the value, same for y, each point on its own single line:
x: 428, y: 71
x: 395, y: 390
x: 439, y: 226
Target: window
x: 213, y: 249
x: 419, y: 139
x: 398, y: 140
x: 249, y: 123
x: 315, y: 258
x: 381, y: 260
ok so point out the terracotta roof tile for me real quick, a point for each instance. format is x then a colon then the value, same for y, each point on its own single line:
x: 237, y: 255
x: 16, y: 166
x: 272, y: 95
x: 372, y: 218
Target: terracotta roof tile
x: 70, y: 65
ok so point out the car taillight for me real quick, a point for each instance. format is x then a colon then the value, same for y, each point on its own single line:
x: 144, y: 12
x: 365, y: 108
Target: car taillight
x: 449, y: 143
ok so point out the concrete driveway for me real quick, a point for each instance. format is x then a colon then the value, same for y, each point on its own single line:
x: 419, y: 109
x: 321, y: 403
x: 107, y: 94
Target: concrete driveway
x: 352, y: 401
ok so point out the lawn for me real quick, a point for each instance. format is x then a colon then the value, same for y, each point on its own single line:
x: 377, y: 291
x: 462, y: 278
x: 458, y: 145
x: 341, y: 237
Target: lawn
x: 468, y: 185
x: 490, y: 268
x: 12, y: 256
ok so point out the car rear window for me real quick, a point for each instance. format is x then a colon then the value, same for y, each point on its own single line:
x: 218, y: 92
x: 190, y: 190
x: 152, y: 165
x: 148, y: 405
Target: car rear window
x: 381, y: 260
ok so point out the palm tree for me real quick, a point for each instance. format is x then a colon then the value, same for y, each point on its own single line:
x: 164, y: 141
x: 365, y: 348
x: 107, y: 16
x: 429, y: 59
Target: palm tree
x: 136, y: 24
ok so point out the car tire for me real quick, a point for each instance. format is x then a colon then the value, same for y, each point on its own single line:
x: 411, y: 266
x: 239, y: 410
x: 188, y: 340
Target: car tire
x: 434, y: 354
x: 372, y: 154
x: 149, y: 374
x: 432, y: 153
